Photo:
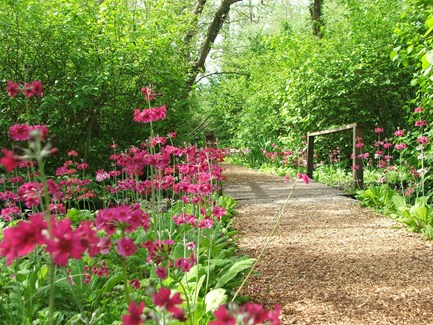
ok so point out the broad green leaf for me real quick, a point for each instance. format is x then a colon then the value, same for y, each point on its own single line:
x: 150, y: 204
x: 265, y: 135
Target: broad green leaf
x: 215, y: 298
x: 234, y: 270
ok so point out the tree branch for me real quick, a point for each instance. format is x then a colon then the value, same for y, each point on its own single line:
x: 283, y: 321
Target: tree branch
x: 224, y: 72
x: 212, y: 32
x: 197, y: 13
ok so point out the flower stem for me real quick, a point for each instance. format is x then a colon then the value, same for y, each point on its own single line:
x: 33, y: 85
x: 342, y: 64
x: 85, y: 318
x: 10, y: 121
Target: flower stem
x: 268, y: 241
x: 125, y: 279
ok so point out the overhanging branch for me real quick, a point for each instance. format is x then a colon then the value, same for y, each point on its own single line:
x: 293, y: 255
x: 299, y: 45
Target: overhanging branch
x: 223, y: 72
x: 212, y: 32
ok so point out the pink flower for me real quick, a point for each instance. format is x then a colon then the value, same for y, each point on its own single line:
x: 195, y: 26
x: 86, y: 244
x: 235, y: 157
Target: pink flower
x: 101, y: 175
x: 12, y: 88
x: 378, y: 130
x: 162, y: 299
x: 399, y: 133
x: 135, y: 284
x: 42, y: 129
x: 418, y: 109
x: 400, y: 146
x: 22, y: 239
x: 223, y: 317
x: 19, y: 132
x: 9, y: 161
x: 65, y: 242
x: 421, y: 123
x: 104, y: 245
x: 148, y: 93
x: 72, y: 153
x: 218, y: 211
x: 134, y: 316
x: 126, y: 247
x: 161, y: 272
x: 10, y: 213
x: 422, y: 140
x: 304, y: 177
x: 35, y: 88
x: 150, y: 115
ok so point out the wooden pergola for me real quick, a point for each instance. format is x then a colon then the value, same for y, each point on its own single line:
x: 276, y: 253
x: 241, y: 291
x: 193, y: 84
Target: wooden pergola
x: 358, y: 132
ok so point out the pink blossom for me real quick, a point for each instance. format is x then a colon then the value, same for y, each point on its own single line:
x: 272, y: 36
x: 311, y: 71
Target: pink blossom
x: 419, y: 109
x: 218, y: 211
x: 422, y: 140
x: 162, y: 299
x: 148, y: 93
x: 22, y: 239
x: 72, y: 153
x: 101, y: 175
x: 150, y: 115
x: 104, y: 245
x: 35, y: 88
x: 161, y: 272
x: 378, y: 130
x: 12, y: 88
x: 135, y: 284
x: 399, y: 133
x: 65, y: 242
x: 400, y: 146
x: 421, y: 123
x: 10, y: 160
x: 134, y: 316
x: 19, y: 132
x: 126, y: 247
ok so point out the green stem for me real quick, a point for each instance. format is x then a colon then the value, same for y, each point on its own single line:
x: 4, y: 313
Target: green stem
x: 125, y: 280
x: 45, y: 203
x: 268, y: 241
x: 188, y: 305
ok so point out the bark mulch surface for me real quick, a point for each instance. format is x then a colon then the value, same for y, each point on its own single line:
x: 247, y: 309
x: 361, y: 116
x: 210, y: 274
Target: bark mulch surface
x: 331, y: 261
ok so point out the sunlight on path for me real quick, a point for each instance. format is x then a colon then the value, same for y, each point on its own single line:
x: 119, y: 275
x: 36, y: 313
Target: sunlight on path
x: 331, y: 262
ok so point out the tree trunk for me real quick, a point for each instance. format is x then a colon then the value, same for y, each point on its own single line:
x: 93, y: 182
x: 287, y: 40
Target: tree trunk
x: 212, y: 32
x: 316, y: 17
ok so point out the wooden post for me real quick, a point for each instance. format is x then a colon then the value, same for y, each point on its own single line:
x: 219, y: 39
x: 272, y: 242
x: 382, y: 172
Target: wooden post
x: 358, y: 132
x: 310, y: 156
x: 358, y: 172
x: 210, y: 139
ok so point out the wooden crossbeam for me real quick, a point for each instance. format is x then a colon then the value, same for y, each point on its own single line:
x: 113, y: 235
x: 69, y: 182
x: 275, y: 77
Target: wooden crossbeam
x: 358, y: 132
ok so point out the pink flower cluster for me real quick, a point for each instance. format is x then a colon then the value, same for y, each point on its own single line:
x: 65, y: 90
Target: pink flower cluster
x: 125, y: 217
x: 28, y: 90
x: 62, y: 242
x: 22, y: 132
x: 150, y: 115
x: 247, y: 314
x: 162, y: 299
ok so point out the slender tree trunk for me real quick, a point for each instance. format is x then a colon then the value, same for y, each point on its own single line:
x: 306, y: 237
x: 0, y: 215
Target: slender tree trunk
x: 316, y: 17
x: 212, y: 32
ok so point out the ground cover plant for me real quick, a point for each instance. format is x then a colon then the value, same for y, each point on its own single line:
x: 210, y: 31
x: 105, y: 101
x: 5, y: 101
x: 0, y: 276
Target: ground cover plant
x: 149, y: 241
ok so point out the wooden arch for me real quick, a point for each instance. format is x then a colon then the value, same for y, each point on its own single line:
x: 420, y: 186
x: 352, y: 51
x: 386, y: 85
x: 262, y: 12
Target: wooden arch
x: 358, y: 132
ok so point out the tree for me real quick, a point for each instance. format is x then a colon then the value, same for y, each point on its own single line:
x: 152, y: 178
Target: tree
x: 316, y: 17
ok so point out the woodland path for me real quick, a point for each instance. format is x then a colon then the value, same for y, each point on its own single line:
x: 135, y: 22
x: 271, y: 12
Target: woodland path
x: 331, y: 261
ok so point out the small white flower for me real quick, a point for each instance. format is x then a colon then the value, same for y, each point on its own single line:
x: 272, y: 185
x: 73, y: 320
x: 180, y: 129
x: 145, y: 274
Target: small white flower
x: 422, y: 171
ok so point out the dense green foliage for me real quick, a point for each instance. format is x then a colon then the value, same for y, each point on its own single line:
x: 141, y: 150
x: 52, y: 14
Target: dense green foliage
x: 297, y: 82
x: 93, y: 59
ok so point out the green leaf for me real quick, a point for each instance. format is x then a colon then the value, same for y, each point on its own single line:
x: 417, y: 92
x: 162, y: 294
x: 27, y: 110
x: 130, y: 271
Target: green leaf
x: 234, y: 270
x: 43, y: 271
x: 215, y: 298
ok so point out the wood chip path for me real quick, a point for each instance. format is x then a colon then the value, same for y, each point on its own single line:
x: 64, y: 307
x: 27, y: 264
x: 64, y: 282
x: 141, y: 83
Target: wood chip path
x: 331, y: 261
